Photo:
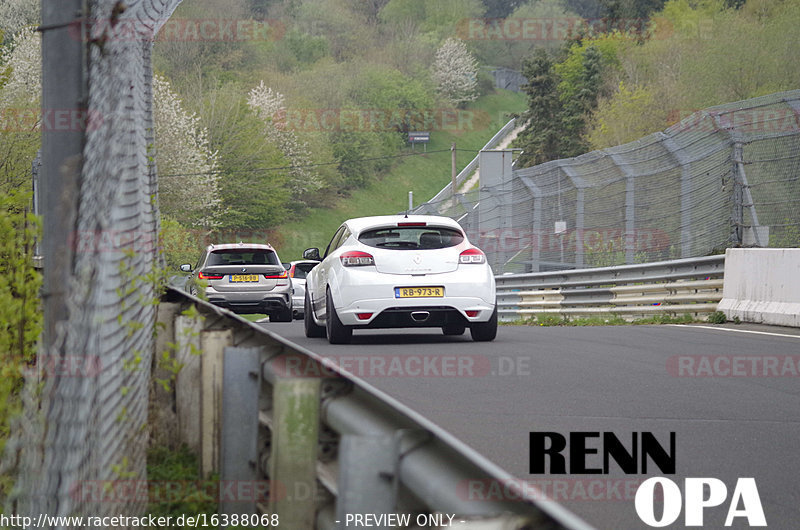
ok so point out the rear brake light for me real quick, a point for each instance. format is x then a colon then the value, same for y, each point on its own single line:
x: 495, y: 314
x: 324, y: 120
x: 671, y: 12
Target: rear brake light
x: 472, y: 313
x: 284, y: 274
x: 204, y: 276
x: 412, y: 224
x: 356, y: 258
x: 472, y: 255
x: 363, y: 316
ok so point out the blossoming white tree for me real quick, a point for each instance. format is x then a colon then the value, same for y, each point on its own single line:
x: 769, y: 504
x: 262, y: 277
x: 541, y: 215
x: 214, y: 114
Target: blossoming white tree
x: 21, y: 70
x: 17, y: 14
x: 269, y: 106
x: 20, y: 90
x: 455, y: 72
x: 188, y: 185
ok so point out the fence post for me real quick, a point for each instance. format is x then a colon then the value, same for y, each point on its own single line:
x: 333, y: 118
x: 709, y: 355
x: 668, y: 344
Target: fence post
x: 579, y: 221
x: 686, y: 192
x: 630, y: 218
x: 746, y: 195
x: 738, y: 210
x: 580, y: 186
x: 536, y: 240
x: 63, y: 88
x: 630, y: 208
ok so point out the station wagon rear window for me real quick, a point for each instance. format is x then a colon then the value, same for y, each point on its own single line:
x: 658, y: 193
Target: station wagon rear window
x: 411, y: 237
x: 243, y: 256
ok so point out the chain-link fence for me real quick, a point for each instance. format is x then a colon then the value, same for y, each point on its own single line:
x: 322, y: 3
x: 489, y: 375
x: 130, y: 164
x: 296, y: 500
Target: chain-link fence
x: 84, y: 428
x: 724, y: 176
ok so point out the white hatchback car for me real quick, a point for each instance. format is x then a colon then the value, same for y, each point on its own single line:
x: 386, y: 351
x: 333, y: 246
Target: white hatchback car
x: 399, y: 272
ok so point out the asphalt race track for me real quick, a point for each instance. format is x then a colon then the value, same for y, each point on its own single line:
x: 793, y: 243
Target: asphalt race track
x: 734, y: 416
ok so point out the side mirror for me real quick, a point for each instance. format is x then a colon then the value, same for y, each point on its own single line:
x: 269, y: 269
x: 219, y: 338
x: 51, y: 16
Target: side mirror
x: 186, y: 267
x: 312, y: 254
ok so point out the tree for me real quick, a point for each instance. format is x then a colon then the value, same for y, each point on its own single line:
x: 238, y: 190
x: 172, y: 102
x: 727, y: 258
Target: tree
x: 20, y: 89
x: 455, y: 72
x: 268, y: 106
x: 253, y: 171
x: 548, y: 24
x: 500, y: 8
x: 20, y: 70
x: 541, y: 139
x: 17, y: 14
x: 579, y: 100
x: 629, y: 115
x: 188, y: 187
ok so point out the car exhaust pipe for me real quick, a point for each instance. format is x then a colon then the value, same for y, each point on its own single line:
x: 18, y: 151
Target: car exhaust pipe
x: 420, y: 316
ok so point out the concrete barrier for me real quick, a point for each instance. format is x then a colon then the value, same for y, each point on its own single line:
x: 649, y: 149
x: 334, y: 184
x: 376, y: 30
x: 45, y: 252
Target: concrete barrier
x: 762, y: 285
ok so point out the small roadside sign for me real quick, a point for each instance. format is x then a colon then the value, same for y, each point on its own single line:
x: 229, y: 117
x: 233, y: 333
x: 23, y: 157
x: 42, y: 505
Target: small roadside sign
x: 419, y: 137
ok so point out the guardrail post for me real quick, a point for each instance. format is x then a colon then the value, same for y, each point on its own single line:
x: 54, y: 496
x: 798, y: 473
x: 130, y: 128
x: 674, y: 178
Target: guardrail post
x: 211, y: 369
x: 162, y: 415
x: 292, y: 463
x: 367, y: 476
x: 187, y: 389
x: 239, y: 491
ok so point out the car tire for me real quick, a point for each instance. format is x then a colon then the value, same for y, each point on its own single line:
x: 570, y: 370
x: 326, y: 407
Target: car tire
x: 485, y: 331
x: 284, y: 315
x: 337, y: 332
x: 313, y: 330
x: 454, y: 329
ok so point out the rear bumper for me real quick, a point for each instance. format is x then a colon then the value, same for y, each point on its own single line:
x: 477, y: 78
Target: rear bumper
x: 248, y: 303
x: 417, y: 317
x: 467, y: 289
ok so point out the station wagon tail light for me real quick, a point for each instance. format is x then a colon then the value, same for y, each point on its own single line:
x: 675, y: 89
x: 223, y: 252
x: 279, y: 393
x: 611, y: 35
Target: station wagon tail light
x: 356, y: 258
x: 472, y: 255
x: 284, y: 274
x: 204, y: 276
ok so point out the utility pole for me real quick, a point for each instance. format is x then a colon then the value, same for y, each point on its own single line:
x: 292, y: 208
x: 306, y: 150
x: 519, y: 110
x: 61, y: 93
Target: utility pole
x: 453, y: 166
x: 63, y: 92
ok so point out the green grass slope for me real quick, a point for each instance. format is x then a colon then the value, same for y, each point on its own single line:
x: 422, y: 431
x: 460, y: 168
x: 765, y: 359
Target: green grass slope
x: 425, y: 175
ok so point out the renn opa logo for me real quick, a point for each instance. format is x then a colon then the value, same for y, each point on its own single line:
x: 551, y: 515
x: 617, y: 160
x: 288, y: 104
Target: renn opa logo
x: 698, y: 494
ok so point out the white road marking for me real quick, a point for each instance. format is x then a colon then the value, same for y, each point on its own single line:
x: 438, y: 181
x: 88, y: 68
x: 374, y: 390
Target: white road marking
x: 740, y: 331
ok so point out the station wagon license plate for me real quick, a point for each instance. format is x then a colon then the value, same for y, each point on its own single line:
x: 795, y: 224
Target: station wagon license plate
x: 419, y: 292
x: 244, y: 277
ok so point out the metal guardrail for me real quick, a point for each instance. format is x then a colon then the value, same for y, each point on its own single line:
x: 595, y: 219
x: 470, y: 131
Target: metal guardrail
x: 473, y: 165
x: 677, y: 287
x: 318, y: 442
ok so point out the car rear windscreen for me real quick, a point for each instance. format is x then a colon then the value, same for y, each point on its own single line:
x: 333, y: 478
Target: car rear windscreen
x: 301, y: 270
x: 242, y: 257
x: 412, y: 237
